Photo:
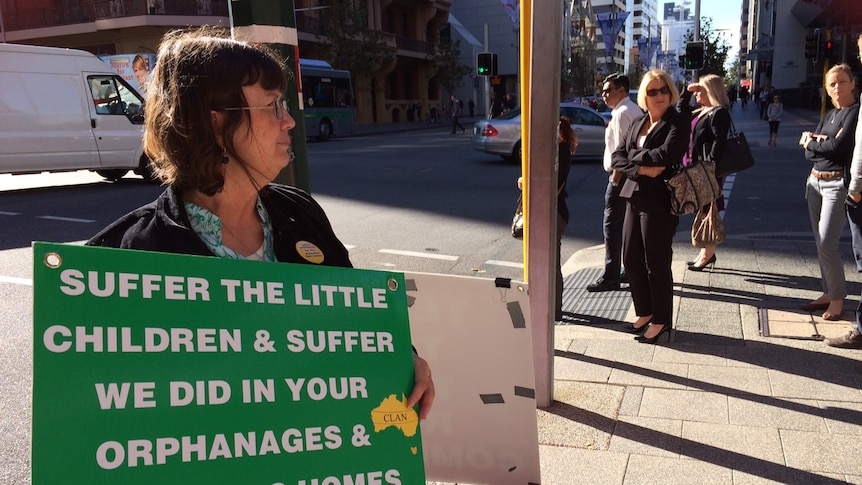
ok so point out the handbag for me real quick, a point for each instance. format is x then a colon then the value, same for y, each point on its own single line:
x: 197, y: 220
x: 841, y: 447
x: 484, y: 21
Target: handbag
x: 518, y: 222
x: 693, y: 187
x: 708, y: 230
x: 737, y: 155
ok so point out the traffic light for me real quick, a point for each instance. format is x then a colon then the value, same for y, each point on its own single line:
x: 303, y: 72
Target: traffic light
x: 486, y: 64
x: 694, y: 55
x: 828, y: 48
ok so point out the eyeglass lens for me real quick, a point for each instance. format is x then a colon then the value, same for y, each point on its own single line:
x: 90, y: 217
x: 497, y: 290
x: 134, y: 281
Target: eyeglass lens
x: 280, y: 108
x: 655, y: 92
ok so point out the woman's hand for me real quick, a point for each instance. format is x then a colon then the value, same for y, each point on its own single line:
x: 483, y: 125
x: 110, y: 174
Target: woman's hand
x: 423, y: 388
x: 857, y: 197
x: 520, y: 183
x: 651, y: 172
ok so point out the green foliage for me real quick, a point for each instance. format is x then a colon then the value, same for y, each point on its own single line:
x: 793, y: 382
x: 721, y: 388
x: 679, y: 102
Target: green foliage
x: 348, y: 43
x: 715, y: 48
x: 449, y: 71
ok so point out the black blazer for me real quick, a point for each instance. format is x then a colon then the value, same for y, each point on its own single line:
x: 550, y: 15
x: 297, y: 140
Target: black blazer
x: 664, y: 146
x: 709, y: 139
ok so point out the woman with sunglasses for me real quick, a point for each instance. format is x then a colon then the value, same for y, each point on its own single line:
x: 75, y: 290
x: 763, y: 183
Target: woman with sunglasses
x: 654, y: 144
x: 218, y: 134
x: 830, y: 148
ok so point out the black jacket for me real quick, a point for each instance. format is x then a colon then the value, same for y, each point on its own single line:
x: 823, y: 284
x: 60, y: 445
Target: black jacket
x: 299, y: 227
x: 709, y: 139
x: 664, y: 147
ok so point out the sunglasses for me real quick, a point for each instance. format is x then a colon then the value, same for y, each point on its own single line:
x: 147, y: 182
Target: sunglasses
x: 655, y: 92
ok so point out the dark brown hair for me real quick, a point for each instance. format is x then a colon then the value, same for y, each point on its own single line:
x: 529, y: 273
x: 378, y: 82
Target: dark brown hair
x: 196, y: 73
x: 566, y: 134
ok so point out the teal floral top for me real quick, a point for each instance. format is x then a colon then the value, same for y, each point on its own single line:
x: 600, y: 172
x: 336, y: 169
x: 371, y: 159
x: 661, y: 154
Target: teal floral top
x: 208, y: 227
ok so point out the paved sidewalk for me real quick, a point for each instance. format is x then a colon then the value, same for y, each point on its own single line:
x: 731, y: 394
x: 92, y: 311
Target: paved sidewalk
x: 721, y: 403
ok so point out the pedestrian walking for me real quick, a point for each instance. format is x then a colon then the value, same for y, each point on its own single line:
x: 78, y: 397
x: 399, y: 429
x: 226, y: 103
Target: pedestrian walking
x: 455, y: 109
x: 773, y: 114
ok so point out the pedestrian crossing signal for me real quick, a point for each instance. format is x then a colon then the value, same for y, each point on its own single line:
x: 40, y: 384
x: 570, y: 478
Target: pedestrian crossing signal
x: 694, y: 55
x: 486, y: 64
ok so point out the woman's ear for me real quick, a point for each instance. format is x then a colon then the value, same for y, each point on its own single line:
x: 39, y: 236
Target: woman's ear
x: 217, y: 118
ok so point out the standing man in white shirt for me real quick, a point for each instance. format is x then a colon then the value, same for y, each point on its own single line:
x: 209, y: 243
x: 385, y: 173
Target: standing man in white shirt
x: 615, y: 92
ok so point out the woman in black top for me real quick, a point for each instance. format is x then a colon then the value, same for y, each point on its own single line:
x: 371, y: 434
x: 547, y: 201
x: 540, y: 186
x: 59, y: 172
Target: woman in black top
x: 830, y: 148
x: 654, y: 145
x: 709, y: 126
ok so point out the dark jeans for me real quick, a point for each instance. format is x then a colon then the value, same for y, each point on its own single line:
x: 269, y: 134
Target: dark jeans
x: 854, y: 217
x: 614, y: 216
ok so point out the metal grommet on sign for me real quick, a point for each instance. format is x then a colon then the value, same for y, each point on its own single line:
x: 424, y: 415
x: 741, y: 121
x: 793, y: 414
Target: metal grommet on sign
x: 53, y: 260
x: 392, y: 284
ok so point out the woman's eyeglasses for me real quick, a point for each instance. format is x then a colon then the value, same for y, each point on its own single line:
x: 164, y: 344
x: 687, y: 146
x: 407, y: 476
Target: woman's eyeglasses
x: 279, y: 106
x: 655, y: 92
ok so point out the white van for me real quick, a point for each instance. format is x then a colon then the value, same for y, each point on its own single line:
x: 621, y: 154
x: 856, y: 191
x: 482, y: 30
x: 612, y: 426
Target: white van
x: 62, y: 110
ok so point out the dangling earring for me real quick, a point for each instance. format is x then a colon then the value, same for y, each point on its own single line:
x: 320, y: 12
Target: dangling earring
x: 224, y: 157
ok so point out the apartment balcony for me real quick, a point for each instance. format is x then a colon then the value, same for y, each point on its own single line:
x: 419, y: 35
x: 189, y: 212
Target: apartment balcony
x: 92, y: 11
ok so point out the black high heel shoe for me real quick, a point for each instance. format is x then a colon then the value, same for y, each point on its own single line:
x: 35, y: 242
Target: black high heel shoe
x: 708, y: 262
x: 630, y: 328
x: 645, y: 340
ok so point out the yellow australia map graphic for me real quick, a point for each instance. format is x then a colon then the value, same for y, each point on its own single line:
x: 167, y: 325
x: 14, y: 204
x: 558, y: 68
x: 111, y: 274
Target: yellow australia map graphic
x: 393, y: 412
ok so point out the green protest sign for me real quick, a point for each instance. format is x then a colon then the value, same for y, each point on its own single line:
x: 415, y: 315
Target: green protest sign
x: 159, y: 368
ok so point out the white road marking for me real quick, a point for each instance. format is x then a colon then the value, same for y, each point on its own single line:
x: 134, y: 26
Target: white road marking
x: 4, y: 213
x: 16, y: 281
x: 67, y: 219
x: 509, y: 264
x: 419, y: 255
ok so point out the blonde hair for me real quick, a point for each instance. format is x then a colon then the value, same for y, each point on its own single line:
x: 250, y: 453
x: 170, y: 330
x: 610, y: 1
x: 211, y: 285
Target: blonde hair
x: 836, y: 69
x: 715, y: 90
x: 651, y: 75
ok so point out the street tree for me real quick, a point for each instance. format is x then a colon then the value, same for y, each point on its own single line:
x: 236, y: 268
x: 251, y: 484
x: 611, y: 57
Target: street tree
x: 448, y: 69
x: 348, y: 42
x: 715, y: 48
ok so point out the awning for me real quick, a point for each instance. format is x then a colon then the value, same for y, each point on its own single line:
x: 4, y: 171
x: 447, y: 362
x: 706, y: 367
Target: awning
x: 762, y: 54
x: 459, y: 27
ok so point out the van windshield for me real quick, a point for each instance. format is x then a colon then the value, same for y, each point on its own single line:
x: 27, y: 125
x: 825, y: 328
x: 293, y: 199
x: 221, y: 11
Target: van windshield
x: 112, y: 96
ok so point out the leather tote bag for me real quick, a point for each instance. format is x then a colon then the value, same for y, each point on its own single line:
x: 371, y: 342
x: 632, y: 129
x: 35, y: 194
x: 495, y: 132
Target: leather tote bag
x: 737, y: 156
x: 707, y: 230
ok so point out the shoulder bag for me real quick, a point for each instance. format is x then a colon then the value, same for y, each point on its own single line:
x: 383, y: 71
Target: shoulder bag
x: 707, y: 230
x: 693, y: 187
x: 737, y: 155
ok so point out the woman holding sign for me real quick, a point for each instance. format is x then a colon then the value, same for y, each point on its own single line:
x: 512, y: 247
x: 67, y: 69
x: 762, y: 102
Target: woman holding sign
x: 218, y: 134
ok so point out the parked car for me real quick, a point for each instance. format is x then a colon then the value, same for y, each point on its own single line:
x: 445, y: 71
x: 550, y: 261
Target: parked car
x: 502, y: 136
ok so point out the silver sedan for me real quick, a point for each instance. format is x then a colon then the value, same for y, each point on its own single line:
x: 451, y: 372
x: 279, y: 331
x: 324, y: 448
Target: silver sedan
x: 502, y: 136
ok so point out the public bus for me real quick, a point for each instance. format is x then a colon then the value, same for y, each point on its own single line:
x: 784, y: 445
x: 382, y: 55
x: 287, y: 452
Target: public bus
x: 328, y: 99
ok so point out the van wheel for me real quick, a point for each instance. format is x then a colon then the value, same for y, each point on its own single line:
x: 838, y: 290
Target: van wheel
x: 325, y: 131
x: 113, y: 174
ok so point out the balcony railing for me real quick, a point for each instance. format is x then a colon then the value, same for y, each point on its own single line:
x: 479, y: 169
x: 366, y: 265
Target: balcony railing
x: 86, y: 12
